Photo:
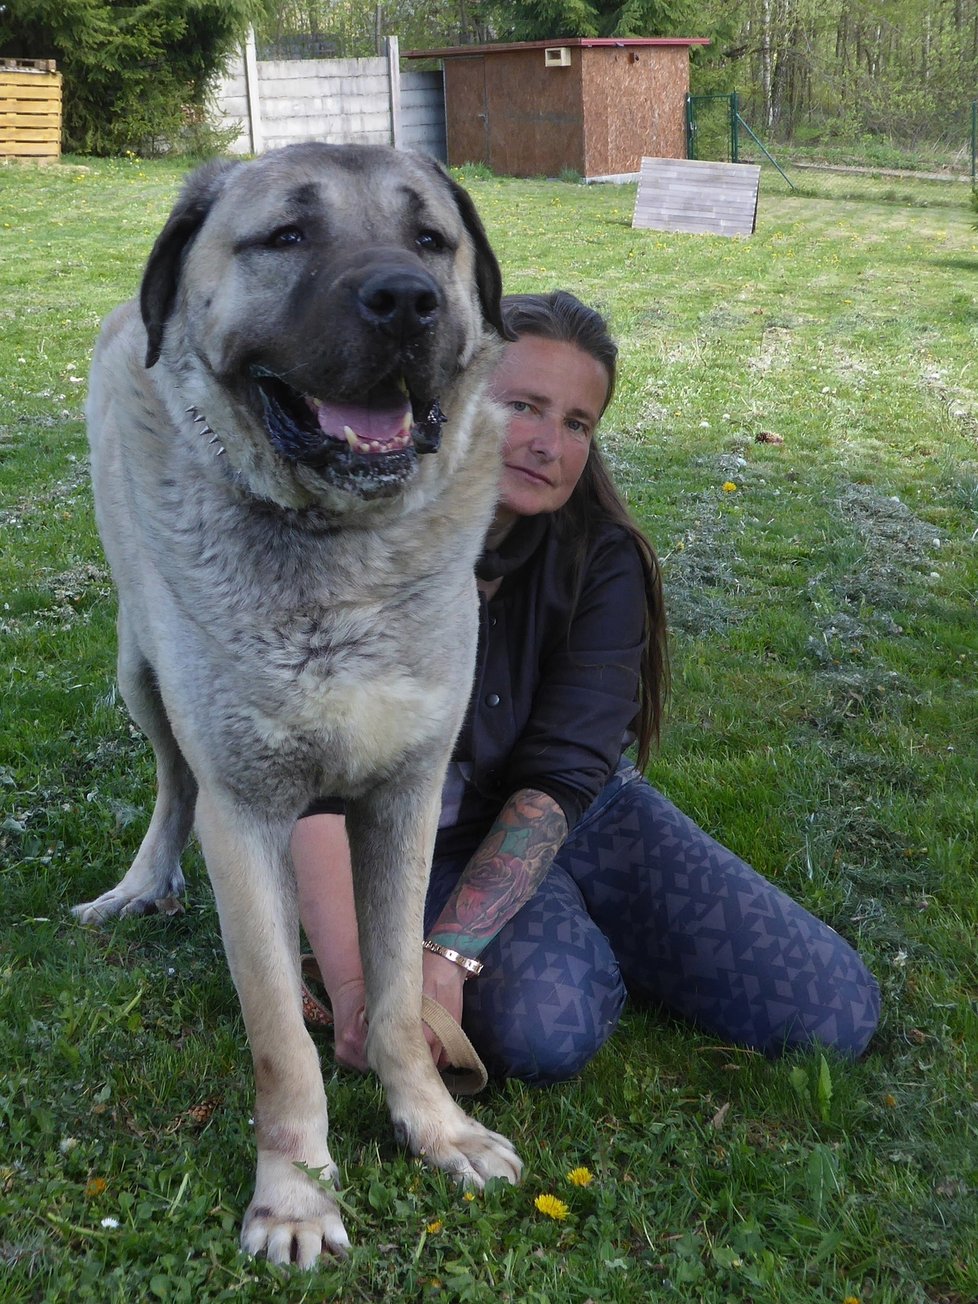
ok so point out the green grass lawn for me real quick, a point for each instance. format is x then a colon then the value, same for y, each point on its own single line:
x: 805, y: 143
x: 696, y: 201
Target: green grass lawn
x: 822, y: 593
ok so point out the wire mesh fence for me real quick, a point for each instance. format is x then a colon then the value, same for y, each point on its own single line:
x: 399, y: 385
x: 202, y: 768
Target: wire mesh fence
x: 940, y: 173
x: 882, y: 186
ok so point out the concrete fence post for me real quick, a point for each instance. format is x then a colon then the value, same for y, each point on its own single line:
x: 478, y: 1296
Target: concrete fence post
x: 394, y: 80
x: 252, y: 93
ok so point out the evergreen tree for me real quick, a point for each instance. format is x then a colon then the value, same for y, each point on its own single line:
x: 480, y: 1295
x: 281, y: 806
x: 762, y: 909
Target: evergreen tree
x: 136, y: 75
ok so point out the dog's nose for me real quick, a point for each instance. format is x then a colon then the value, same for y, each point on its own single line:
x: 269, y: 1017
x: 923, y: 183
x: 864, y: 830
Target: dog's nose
x: 401, y: 303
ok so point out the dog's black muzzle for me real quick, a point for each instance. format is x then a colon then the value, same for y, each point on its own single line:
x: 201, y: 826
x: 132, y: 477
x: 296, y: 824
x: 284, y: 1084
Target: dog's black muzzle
x: 361, y: 415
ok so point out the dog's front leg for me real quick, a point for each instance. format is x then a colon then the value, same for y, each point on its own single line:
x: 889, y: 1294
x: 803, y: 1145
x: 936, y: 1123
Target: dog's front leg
x: 291, y: 1217
x: 391, y: 837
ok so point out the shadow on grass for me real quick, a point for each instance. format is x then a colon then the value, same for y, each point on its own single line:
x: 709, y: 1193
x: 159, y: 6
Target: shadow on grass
x: 958, y: 264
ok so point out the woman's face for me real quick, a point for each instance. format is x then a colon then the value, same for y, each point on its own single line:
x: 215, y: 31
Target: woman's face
x: 554, y: 394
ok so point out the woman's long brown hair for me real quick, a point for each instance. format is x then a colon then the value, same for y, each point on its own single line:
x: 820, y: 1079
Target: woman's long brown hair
x: 562, y: 317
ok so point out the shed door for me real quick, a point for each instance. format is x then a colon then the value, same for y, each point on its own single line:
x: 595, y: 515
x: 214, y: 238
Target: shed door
x: 468, y: 111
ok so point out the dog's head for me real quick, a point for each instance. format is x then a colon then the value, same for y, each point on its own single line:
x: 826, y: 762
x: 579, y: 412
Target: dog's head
x: 317, y: 309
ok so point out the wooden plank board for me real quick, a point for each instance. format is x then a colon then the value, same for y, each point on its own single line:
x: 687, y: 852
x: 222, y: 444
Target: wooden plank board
x: 13, y: 135
x: 31, y: 149
x: 695, y: 196
x: 698, y: 174
x: 8, y: 119
x: 32, y: 95
x: 680, y: 201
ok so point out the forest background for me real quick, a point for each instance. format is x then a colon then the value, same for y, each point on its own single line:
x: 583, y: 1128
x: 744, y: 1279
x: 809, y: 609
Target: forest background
x: 879, y: 82
x: 838, y: 72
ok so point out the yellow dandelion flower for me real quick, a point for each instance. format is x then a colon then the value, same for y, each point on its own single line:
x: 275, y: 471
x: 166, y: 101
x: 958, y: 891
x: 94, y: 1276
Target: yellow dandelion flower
x: 551, y: 1207
x: 580, y: 1177
x: 729, y: 487
x: 435, y: 1227
x: 469, y: 1195
x: 851, y: 1299
x: 96, y: 1187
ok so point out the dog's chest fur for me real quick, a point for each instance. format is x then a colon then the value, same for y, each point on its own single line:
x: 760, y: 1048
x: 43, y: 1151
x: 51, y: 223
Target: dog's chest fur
x: 341, y: 656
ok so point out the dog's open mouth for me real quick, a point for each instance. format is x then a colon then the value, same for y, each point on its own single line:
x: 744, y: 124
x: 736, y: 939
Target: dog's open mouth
x: 368, y: 447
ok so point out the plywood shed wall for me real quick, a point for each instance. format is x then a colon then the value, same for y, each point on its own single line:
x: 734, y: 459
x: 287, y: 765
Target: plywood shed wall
x: 536, y: 108
x: 30, y: 109
x: 634, y: 98
x: 509, y: 111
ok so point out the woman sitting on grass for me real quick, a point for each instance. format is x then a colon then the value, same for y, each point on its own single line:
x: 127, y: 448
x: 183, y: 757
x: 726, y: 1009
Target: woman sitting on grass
x: 557, y: 867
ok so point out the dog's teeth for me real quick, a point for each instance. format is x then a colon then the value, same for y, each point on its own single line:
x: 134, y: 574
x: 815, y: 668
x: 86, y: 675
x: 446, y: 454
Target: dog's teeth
x: 354, y: 440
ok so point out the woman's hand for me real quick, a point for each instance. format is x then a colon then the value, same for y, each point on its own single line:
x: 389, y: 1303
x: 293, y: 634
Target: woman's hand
x: 444, y: 983
x: 350, y: 1025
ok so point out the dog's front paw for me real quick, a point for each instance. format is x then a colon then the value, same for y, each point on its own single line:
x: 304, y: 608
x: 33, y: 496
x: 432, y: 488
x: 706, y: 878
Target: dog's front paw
x: 465, y: 1149
x: 145, y: 890
x: 120, y: 902
x: 292, y: 1217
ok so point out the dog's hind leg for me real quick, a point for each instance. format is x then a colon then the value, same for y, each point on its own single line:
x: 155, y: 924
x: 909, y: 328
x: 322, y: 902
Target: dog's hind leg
x: 155, y: 880
x: 292, y: 1216
x: 391, y: 833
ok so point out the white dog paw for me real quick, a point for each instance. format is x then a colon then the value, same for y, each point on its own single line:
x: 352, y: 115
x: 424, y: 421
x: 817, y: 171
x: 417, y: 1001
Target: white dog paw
x: 467, y: 1151
x: 282, y: 1238
x: 122, y: 903
x: 292, y: 1217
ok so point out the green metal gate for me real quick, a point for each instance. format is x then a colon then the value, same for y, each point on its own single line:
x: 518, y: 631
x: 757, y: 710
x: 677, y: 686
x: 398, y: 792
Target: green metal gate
x: 713, y: 127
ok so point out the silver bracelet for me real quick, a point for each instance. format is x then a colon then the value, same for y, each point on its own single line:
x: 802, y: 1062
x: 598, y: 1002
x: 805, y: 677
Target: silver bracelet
x: 465, y: 962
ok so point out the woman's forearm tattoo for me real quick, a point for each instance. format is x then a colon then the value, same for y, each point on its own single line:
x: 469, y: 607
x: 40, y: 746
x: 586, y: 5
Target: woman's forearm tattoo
x: 504, y: 872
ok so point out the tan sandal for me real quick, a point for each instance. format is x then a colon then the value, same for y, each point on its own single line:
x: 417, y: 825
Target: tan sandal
x: 314, y: 1012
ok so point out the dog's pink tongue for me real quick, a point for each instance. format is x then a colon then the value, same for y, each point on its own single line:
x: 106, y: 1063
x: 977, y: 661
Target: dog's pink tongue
x: 369, y: 424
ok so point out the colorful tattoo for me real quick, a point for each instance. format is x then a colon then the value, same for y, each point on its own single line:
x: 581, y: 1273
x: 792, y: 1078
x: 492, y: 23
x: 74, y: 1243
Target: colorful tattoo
x: 504, y: 873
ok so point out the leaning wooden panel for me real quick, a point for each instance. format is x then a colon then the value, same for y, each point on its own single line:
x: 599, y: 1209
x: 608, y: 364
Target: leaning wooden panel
x: 695, y: 196
x: 30, y: 109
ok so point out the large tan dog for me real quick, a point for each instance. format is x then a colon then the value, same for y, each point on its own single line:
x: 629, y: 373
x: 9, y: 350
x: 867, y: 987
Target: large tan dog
x: 294, y: 465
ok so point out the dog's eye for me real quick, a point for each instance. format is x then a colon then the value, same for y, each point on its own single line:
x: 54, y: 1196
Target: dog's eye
x: 432, y: 241
x: 284, y: 236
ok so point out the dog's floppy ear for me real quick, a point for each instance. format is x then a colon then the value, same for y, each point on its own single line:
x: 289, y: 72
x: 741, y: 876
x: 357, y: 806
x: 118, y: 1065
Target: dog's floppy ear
x: 488, y: 277
x: 159, y: 286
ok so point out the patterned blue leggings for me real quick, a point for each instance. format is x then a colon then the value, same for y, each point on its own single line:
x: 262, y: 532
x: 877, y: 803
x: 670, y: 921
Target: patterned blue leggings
x: 640, y: 900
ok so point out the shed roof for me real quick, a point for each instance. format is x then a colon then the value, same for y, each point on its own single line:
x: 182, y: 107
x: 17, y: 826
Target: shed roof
x: 458, y: 51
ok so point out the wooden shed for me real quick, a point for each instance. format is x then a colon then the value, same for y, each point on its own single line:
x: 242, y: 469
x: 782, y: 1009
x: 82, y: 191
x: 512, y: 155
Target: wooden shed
x: 593, y: 106
x: 30, y: 109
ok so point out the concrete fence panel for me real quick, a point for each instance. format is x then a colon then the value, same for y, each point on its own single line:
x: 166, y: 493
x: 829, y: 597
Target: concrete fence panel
x: 275, y: 102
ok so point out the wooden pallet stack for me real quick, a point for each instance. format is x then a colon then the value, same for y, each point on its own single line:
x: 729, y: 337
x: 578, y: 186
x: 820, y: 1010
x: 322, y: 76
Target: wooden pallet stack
x: 30, y: 109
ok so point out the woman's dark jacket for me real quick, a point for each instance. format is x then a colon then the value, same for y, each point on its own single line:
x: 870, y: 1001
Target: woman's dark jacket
x: 556, y: 681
